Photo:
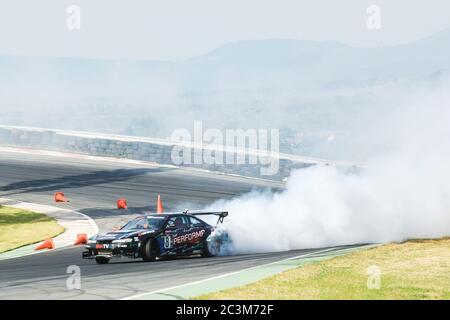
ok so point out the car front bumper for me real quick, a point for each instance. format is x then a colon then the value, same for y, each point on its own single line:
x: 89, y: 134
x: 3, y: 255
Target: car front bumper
x: 93, y: 250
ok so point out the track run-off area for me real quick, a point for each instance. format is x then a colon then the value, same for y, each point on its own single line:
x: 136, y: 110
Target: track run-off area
x: 92, y: 186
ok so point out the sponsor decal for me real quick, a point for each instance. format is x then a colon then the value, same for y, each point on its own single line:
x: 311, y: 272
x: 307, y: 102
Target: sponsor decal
x: 105, y: 246
x: 189, y: 237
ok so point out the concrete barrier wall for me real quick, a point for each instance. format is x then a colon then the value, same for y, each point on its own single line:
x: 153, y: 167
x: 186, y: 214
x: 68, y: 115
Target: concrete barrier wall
x: 135, y: 148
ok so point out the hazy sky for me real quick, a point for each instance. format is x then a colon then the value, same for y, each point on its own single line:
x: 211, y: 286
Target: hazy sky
x: 178, y: 29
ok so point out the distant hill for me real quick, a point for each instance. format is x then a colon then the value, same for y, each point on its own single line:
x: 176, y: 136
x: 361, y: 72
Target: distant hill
x: 297, y: 86
x: 246, y: 64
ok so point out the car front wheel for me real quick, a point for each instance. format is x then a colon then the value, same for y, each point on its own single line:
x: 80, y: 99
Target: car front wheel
x: 147, y: 253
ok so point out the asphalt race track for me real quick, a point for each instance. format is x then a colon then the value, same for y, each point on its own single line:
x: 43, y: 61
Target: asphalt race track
x: 92, y: 187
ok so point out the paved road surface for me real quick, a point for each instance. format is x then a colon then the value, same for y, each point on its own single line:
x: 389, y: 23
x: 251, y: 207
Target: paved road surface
x: 93, y: 187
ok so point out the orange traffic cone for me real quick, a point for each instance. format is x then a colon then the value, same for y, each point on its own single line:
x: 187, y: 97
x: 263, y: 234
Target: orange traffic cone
x: 159, y: 205
x: 59, y: 197
x: 47, y: 244
x: 122, y: 204
x: 81, y: 239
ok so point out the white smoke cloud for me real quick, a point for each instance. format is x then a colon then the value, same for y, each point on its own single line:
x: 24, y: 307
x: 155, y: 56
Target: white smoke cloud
x: 401, y: 193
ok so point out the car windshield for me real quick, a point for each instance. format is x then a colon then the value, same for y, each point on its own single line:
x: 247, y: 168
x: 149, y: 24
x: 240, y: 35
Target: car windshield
x: 144, y: 223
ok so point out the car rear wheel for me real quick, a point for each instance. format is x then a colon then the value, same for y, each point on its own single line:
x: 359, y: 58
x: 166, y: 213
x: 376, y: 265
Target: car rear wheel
x: 147, y: 252
x: 101, y: 260
x: 206, y: 253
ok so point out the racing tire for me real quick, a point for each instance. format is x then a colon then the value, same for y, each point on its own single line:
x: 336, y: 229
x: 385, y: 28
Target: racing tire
x: 206, y: 253
x: 147, y: 252
x: 101, y: 260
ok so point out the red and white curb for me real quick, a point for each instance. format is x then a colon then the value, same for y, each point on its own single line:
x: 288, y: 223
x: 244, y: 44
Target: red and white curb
x: 72, y: 221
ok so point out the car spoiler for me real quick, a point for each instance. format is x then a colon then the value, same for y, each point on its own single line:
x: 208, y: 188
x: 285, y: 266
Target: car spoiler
x: 220, y: 214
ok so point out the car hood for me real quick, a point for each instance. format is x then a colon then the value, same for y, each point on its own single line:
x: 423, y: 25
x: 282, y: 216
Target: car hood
x: 122, y: 234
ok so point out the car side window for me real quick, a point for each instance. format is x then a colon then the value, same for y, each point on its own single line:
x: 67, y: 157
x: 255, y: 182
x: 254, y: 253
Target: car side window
x: 195, y: 222
x: 178, y: 222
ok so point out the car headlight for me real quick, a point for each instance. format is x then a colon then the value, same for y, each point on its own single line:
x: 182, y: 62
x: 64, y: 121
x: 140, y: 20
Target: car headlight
x: 127, y: 240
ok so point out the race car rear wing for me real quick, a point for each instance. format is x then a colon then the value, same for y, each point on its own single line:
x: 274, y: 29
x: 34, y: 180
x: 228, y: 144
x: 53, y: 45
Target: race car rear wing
x: 220, y: 214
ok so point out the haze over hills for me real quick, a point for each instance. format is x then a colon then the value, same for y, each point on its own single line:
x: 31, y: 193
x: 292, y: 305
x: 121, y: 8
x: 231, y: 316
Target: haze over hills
x: 251, y: 63
x: 307, y: 89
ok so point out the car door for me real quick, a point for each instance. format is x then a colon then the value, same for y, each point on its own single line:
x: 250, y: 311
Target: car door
x: 173, y: 237
x: 197, y: 233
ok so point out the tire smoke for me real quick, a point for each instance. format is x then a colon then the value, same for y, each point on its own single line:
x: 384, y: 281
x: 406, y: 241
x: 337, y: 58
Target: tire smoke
x: 403, y: 191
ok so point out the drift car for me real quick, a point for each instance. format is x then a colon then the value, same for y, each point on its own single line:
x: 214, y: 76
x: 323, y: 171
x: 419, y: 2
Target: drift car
x: 159, y: 235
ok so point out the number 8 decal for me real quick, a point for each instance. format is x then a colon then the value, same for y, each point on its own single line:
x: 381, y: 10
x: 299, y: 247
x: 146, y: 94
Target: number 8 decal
x: 167, y: 242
